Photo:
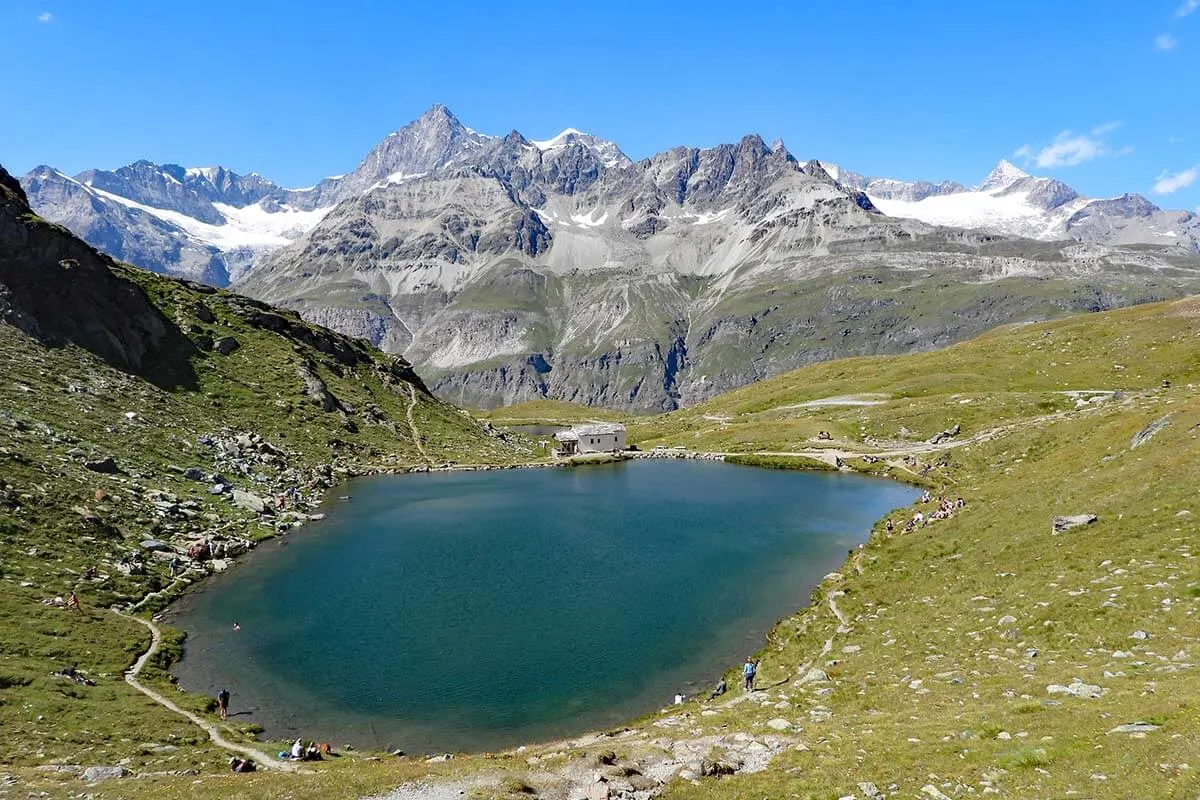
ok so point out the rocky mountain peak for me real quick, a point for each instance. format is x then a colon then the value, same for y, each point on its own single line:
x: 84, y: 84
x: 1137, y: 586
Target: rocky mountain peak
x: 607, y: 152
x: 1003, y: 175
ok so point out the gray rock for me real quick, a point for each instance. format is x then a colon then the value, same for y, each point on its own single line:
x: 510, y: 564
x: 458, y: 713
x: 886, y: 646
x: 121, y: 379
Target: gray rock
x: 226, y: 345
x: 1061, y: 524
x: 154, y: 544
x: 779, y: 724
x: 106, y: 465
x: 1007, y: 619
x: 97, y: 774
x: 815, y: 675
x: 194, y: 474
x: 1140, y: 635
x: 870, y: 791
x: 1076, y: 689
x: 1146, y: 433
x: 945, y: 435
x: 1135, y: 727
x: 203, y: 312
x: 250, y: 502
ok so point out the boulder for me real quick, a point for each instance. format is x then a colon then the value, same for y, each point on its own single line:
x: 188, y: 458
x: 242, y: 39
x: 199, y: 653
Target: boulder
x: 870, y: 791
x: 97, y: 774
x: 1135, y: 727
x: 106, y: 465
x: 779, y: 724
x: 1062, y: 524
x: 226, y: 345
x: 1144, y: 435
x: 250, y: 502
x: 194, y: 474
x: 949, y: 433
x: 713, y: 769
x: 815, y: 675
x: 1076, y: 689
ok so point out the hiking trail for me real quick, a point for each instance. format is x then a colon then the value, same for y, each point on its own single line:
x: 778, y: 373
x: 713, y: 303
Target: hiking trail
x: 261, y: 759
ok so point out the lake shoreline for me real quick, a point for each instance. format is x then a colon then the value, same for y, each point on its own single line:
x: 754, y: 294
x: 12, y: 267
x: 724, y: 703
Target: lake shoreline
x: 331, y: 495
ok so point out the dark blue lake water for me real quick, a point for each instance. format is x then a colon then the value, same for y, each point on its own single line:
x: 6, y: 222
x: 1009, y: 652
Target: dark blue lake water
x: 478, y: 610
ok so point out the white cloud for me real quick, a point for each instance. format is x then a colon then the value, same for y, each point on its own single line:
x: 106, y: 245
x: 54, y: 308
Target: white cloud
x: 1165, y: 42
x: 1188, y: 7
x: 45, y: 17
x: 1166, y: 184
x: 1069, y: 150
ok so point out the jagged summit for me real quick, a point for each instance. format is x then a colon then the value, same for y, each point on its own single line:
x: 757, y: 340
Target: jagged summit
x: 610, y: 154
x: 1003, y: 175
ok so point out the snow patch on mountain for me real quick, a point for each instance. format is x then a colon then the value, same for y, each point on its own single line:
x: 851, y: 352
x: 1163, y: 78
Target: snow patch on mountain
x: 1010, y: 213
x: 252, y: 227
x: 610, y: 155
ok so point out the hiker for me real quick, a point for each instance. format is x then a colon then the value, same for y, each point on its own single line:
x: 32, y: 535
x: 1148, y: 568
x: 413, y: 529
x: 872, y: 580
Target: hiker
x: 890, y: 527
x: 749, y: 670
x: 297, y: 750
x: 72, y: 601
x: 313, y: 753
x: 241, y: 764
x: 223, y: 703
x: 173, y: 565
x: 720, y: 689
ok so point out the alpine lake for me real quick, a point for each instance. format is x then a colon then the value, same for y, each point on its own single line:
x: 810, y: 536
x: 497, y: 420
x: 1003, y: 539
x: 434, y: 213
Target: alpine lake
x: 474, y: 611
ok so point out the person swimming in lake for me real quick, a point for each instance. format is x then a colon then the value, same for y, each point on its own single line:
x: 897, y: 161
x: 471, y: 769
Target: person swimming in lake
x: 237, y: 627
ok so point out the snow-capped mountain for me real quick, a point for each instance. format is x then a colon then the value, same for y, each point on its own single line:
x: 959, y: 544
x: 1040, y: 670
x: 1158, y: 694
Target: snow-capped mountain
x: 509, y: 268
x: 610, y: 155
x: 1013, y: 202
x: 204, y: 223
x: 212, y: 224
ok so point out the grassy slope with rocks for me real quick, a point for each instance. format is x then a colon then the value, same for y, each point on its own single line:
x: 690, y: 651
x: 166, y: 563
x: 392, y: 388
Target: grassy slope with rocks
x: 927, y: 661
x: 120, y: 408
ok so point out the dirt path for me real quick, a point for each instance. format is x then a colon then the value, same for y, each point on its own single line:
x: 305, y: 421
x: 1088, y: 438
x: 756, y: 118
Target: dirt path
x: 831, y: 455
x: 412, y: 424
x: 263, y: 760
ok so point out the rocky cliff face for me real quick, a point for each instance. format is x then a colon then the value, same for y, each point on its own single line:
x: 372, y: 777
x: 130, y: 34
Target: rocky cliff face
x: 531, y: 271
x: 60, y: 291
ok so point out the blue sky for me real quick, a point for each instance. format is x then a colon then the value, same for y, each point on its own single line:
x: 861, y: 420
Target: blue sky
x: 1104, y: 95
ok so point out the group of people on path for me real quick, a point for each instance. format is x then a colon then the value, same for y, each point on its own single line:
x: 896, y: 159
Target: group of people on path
x: 749, y: 673
x: 944, y: 510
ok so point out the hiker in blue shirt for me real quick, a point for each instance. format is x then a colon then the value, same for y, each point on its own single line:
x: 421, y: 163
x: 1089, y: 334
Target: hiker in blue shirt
x: 749, y: 670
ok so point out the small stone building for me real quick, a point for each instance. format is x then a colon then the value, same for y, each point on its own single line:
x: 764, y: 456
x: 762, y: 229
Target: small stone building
x: 595, y: 437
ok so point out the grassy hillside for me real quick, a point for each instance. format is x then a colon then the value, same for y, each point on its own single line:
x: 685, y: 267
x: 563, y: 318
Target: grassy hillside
x: 246, y: 418
x: 983, y: 653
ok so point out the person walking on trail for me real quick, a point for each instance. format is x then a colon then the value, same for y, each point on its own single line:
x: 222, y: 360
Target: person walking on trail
x: 223, y: 703
x: 749, y: 670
